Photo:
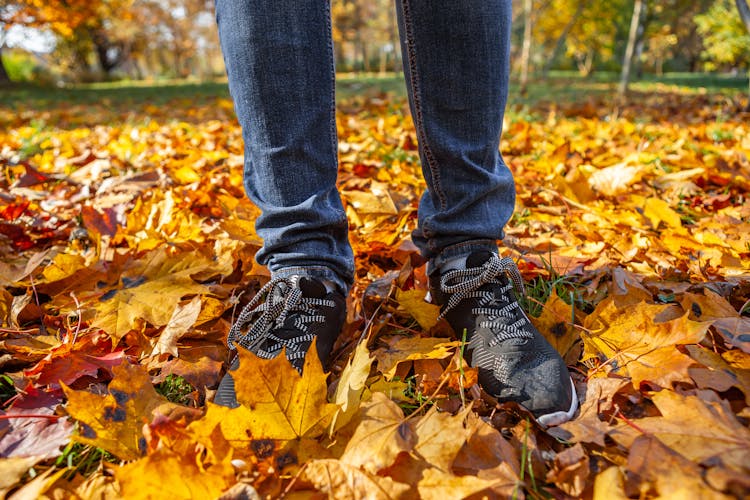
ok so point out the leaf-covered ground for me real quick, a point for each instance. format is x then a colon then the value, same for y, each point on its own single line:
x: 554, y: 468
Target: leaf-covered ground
x: 127, y: 246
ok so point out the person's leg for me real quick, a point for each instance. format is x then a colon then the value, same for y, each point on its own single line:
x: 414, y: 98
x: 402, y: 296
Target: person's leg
x: 279, y: 61
x: 456, y: 66
x: 456, y: 60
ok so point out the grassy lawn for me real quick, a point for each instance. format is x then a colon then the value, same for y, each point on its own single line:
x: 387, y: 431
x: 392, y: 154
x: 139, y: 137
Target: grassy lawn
x: 559, y: 86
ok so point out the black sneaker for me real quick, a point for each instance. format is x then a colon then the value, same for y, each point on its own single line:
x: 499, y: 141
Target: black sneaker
x: 296, y: 311
x: 514, y: 360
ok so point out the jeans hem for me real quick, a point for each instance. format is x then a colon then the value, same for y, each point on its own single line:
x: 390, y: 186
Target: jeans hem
x: 316, y: 272
x: 460, y: 250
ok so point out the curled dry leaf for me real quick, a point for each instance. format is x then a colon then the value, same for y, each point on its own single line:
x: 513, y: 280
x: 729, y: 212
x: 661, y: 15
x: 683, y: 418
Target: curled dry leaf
x: 406, y: 349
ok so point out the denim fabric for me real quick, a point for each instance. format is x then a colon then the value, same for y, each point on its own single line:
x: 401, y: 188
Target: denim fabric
x: 279, y: 60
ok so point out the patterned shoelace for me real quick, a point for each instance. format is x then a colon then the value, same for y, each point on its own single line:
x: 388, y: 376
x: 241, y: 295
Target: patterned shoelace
x: 283, y: 297
x: 499, y: 310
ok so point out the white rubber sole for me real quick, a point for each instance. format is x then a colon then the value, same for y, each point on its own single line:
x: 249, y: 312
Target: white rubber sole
x: 560, y: 417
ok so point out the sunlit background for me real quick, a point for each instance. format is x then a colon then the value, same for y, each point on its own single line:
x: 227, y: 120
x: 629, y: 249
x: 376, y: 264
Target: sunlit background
x: 71, y: 41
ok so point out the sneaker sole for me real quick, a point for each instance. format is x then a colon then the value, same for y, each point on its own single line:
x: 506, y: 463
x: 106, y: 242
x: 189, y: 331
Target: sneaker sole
x: 560, y: 417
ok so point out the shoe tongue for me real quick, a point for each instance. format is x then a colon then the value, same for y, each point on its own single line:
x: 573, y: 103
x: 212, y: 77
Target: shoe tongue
x: 311, y: 288
x: 478, y: 258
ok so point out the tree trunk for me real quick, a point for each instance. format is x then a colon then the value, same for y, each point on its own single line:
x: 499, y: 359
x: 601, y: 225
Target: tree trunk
x: 744, y: 13
x: 635, y: 22
x: 4, y: 78
x: 526, y: 50
x: 560, y: 43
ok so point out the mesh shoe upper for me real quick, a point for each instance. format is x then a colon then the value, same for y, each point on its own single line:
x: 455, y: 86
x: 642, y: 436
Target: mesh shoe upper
x: 295, y: 311
x: 514, y: 361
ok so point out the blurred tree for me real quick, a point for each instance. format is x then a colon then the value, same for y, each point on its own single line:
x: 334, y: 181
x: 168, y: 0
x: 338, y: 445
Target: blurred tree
x: 744, y: 11
x: 528, y: 21
x: 726, y: 40
x: 365, y: 35
x: 83, y: 24
x: 635, y: 25
x: 594, y: 35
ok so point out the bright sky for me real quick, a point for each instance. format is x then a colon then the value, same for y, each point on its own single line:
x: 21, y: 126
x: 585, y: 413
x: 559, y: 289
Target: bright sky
x: 30, y: 39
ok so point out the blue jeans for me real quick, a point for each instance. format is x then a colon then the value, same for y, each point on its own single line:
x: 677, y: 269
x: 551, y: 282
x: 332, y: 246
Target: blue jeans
x: 280, y: 65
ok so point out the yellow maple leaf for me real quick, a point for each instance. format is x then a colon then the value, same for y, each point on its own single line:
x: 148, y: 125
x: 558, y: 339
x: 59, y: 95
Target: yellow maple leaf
x: 635, y: 340
x: 165, y: 474
x: 380, y: 437
x: 282, y: 403
x: 115, y: 421
x: 413, y: 301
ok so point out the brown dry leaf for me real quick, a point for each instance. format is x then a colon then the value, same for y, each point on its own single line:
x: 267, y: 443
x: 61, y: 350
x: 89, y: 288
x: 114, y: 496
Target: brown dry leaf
x: 14, y: 469
x: 382, y: 434
x: 702, y: 430
x: 283, y: 404
x: 37, y: 487
x: 183, y: 317
x: 440, y: 436
x: 439, y: 485
x: 713, y: 307
x: 413, y: 302
x: 167, y: 474
x: 115, y: 421
x: 556, y: 323
x: 587, y: 427
x: 571, y: 470
x: 405, y: 349
x: 486, y: 452
x: 636, y: 343
x: 341, y: 480
x: 610, y: 485
x: 718, y: 374
x: 351, y: 385
x: 150, y: 293
x: 651, y: 463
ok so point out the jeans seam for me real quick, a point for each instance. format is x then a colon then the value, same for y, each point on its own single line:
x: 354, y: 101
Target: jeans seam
x: 332, y: 70
x: 416, y: 96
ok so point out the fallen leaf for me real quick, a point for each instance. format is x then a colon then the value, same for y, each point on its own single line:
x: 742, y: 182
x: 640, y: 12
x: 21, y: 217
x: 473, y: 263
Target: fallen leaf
x: 700, y: 430
x: 340, y: 480
x: 351, y: 385
x: 182, y: 476
x: 14, y: 469
x: 657, y: 210
x: 725, y: 319
x: 571, y: 470
x: 587, y: 426
x: 183, y: 317
x: 672, y: 475
x: 114, y: 421
x: 283, y: 404
x: 634, y: 342
x: 439, y: 485
x: 610, y: 485
x: 382, y: 434
x: 405, y: 349
x: 557, y: 323
x: 414, y: 303
x: 440, y: 436
x: 39, y: 438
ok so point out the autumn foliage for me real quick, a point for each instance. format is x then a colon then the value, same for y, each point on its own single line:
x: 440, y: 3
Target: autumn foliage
x: 127, y: 249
